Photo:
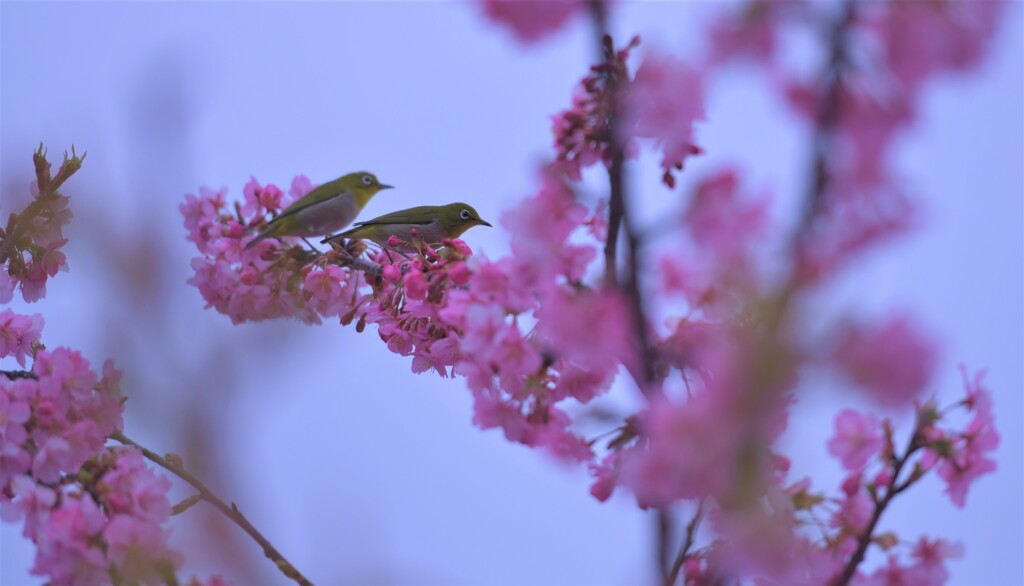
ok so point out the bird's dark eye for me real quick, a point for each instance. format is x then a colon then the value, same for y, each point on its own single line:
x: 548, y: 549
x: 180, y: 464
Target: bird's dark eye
x: 465, y: 215
x: 367, y: 180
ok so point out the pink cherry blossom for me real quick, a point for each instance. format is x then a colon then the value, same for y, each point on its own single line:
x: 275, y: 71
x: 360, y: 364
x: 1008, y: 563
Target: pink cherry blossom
x: 33, y: 239
x: 665, y: 99
x: 891, y: 574
x: 751, y: 32
x: 68, y: 546
x: 259, y: 198
x: 892, y: 360
x: 110, y: 523
x: 855, y: 507
x: 920, y: 40
x: 682, y: 455
x: 531, y: 20
x: 857, y: 439
x: 931, y: 556
x: 723, y: 223
x: 18, y: 333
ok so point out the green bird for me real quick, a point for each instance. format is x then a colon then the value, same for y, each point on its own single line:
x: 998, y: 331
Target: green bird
x: 327, y: 208
x: 432, y: 223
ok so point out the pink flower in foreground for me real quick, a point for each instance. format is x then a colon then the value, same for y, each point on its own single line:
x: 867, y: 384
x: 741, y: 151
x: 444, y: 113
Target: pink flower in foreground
x: 920, y: 39
x: 665, y: 99
x: 893, y: 360
x: 721, y: 221
x: 531, y: 20
x: 857, y: 439
x: 688, y: 451
x: 751, y: 32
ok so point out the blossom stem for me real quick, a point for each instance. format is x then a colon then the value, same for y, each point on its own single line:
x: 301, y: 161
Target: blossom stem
x: 230, y: 511
x: 880, y: 505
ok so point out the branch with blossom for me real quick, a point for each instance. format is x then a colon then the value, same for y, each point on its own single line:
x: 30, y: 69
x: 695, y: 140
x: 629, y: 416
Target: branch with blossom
x: 96, y: 513
x: 720, y: 378
x: 713, y: 331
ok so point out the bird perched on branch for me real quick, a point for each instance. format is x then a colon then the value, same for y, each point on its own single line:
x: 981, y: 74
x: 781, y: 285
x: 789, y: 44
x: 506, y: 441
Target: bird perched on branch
x: 431, y: 223
x: 327, y: 208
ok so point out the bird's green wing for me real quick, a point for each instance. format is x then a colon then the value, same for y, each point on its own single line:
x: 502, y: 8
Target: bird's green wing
x: 418, y: 215
x: 320, y: 194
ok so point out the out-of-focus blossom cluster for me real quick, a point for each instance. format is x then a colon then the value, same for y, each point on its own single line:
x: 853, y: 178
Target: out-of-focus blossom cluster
x: 789, y: 533
x: 56, y: 417
x: 661, y: 102
x: 878, y: 58
x: 532, y: 20
x: 31, y: 241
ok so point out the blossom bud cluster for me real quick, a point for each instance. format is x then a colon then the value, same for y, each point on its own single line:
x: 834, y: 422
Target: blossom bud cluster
x: 31, y: 242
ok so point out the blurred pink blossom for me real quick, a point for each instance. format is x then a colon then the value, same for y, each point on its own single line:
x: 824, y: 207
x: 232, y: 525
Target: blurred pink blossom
x: 892, y: 360
x: 857, y: 439
x: 532, y: 20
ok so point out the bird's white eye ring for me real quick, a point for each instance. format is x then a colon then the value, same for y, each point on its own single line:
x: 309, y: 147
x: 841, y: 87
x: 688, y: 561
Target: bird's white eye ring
x: 367, y: 180
x: 465, y: 215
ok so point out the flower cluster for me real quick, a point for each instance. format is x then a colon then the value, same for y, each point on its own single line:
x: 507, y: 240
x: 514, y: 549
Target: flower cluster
x: 97, y: 515
x: 796, y: 535
x: 56, y: 417
x: 254, y: 284
x: 530, y: 339
x: 661, y: 102
x: 880, y: 57
x: 103, y: 525
x: 30, y: 245
x: 510, y: 327
x: 534, y: 20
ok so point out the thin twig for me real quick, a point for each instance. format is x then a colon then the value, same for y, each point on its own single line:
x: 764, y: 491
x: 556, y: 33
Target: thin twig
x: 231, y: 512
x: 684, y: 551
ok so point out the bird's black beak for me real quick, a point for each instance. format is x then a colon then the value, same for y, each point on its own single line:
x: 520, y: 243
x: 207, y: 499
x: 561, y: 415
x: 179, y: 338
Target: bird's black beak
x: 483, y: 223
x: 383, y: 186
